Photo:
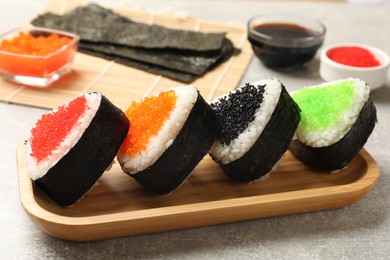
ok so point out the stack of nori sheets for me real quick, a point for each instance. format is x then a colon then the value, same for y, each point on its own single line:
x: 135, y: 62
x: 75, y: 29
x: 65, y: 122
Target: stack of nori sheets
x: 177, y: 54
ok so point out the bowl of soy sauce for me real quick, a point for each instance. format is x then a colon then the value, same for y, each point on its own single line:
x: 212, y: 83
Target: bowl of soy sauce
x: 285, y: 41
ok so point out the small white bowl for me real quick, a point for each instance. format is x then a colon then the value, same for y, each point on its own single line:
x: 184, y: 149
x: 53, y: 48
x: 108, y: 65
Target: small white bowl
x: 375, y: 77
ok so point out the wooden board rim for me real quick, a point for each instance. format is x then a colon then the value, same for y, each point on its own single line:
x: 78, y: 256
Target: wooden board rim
x: 238, y: 209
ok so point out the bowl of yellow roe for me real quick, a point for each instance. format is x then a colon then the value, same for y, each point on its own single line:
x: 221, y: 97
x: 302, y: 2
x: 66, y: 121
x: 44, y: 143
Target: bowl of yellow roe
x: 36, y: 56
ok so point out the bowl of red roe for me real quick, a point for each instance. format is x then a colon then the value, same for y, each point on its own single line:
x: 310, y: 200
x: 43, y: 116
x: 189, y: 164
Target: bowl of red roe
x: 36, y: 56
x: 344, y: 60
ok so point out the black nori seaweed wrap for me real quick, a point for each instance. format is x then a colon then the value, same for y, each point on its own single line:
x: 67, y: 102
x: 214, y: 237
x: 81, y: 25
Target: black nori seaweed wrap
x: 196, y: 63
x: 158, y: 70
x: 271, y: 144
x: 340, y: 154
x: 182, y: 66
x: 182, y: 55
x: 189, y: 147
x: 96, y: 24
x: 68, y: 180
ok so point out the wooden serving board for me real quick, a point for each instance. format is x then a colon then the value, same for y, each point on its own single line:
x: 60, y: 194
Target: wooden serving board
x: 122, y: 84
x: 119, y: 206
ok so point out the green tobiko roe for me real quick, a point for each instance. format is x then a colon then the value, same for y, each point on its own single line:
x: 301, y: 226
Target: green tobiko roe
x: 323, y: 106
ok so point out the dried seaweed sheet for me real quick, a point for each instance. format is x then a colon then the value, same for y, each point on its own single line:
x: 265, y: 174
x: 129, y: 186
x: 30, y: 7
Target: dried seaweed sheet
x: 158, y: 70
x: 96, y: 24
x: 177, y: 54
x: 94, y: 13
x: 193, y: 63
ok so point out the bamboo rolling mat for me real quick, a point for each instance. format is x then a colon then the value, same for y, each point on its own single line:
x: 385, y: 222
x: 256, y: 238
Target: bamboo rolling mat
x: 122, y: 84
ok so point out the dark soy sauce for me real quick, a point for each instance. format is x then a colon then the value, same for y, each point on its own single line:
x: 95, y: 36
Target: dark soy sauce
x: 287, y: 55
x: 285, y: 30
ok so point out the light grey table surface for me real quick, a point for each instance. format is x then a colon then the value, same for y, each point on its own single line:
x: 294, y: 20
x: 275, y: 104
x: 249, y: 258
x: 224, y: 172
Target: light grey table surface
x: 358, y: 231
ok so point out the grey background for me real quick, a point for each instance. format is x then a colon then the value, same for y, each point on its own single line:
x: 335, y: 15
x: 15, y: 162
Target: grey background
x: 359, y: 231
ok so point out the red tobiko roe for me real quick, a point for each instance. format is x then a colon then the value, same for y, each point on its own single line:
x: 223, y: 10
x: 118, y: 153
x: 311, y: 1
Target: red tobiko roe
x: 353, y: 56
x: 53, y: 128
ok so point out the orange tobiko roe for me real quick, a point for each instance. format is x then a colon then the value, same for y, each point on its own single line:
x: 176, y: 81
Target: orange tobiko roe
x: 29, y: 55
x: 53, y: 128
x: 147, y: 117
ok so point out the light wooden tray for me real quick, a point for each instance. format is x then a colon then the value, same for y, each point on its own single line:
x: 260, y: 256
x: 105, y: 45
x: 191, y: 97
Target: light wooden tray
x: 122, y: 84
x: 119, y: 206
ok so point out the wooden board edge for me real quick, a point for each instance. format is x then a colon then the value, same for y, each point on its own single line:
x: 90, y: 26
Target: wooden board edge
x: 195, y: 215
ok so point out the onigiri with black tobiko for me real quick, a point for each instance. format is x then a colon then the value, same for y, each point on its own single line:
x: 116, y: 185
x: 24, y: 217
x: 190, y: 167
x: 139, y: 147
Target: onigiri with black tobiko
x: 256, y: 123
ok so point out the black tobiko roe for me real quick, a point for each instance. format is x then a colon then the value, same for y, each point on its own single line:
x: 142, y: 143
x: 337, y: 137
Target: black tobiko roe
x: 235, y: 111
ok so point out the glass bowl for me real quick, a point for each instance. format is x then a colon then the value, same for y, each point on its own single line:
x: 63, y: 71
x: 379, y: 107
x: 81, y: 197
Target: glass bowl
x: 37, y: 70
x: 285, y: 41
x: 375, y: 76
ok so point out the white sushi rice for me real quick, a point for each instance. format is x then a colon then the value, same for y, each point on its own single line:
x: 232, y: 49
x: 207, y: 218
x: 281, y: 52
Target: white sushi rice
x: 38, y: 170
x: 239, y: 146
x: 186, y: 98
x: 343, y: 125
